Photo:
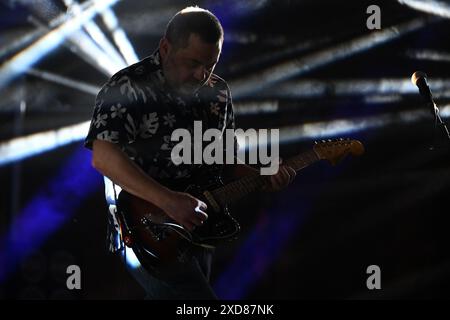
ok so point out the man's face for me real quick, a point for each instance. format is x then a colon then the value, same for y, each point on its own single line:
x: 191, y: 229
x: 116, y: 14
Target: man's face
x: 187, y: 69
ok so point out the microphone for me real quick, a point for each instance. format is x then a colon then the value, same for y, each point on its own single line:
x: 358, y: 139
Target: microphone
x: 419, y: 79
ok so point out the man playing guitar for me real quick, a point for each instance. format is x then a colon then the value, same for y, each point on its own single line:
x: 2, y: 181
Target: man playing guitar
x: 135, y: 113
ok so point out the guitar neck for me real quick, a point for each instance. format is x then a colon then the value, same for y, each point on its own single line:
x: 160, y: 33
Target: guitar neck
x: 238, y: 189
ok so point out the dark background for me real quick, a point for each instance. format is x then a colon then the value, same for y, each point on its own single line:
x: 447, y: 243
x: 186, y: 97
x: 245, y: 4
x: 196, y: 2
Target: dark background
x: 313, y: 240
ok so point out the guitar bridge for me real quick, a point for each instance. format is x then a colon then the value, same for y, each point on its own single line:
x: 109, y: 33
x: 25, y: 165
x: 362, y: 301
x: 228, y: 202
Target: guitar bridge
x: 158, y: 232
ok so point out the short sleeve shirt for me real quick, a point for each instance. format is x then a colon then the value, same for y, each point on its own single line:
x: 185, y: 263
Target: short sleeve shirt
x: 136, y: 110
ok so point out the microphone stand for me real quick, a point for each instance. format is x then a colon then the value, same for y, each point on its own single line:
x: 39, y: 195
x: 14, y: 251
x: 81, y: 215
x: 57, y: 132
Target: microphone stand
x: 437, y: 121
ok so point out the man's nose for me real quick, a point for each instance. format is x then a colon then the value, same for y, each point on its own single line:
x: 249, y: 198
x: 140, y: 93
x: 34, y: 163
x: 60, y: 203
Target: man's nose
x: 200, y: 73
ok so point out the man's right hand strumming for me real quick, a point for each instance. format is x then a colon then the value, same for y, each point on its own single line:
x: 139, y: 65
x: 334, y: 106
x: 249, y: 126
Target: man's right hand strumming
x: 185, y: 209
x: 110, y: 161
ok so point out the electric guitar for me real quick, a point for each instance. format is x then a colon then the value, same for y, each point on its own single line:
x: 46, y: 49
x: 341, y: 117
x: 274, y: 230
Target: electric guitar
x: 158, y: 240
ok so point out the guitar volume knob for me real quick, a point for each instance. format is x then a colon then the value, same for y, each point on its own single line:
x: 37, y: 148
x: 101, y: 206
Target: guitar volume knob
x: 144, y: 221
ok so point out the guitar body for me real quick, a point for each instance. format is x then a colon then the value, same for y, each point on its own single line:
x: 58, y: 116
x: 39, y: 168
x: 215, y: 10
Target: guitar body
x: 157, y: 240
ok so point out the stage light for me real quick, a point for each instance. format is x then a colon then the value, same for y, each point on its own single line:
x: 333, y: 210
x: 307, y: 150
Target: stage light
x: 310, y: 88
x: 273, y: 56
x: 438, y: 8
x: 74, y: 84
x: 81, y: 44
x: 97, y: 35
x: 255, y: 107
x: 22, y: 61
x: 343, y: 127
x: 428, y: 55
x: 23, y: 147
x: 120, y: 37
x: 262, y: 79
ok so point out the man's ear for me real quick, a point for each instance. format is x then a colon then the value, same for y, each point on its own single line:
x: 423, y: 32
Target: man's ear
x: 164, y: 47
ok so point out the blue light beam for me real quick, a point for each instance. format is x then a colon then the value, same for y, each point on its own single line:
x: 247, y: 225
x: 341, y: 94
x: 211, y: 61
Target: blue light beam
x: 53, y: 206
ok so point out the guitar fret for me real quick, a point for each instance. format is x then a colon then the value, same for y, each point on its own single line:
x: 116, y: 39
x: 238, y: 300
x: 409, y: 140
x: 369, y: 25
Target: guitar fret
x: 304, y: 160
x: 239, y: 188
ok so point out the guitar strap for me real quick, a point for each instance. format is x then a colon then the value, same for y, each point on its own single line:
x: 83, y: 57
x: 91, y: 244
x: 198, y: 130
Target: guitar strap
x: 119, y: 220
x: 122, y: 224
x: 115, y: 193
x: 124, y: 229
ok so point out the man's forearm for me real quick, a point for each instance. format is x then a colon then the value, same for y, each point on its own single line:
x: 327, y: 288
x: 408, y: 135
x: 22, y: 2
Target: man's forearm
x: 110, y: 161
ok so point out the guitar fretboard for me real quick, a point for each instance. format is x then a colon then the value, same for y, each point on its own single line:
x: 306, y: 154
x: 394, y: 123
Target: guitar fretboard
x: 235, y: 190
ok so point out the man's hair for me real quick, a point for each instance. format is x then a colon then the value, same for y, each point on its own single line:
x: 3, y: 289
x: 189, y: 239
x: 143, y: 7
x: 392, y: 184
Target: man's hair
x: 193, y: 20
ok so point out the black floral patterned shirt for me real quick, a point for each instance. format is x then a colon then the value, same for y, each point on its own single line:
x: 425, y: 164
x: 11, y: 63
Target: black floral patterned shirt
x: 136, y: 110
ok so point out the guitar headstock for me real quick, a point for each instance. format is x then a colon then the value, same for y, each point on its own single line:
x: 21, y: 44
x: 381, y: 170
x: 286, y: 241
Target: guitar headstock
x: 336, y: 150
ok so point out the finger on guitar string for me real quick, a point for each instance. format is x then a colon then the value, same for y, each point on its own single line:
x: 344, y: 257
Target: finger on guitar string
x: 200, y: 209
x: 202, y: 205
x: 199, y: 217
x: 292, y: 173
